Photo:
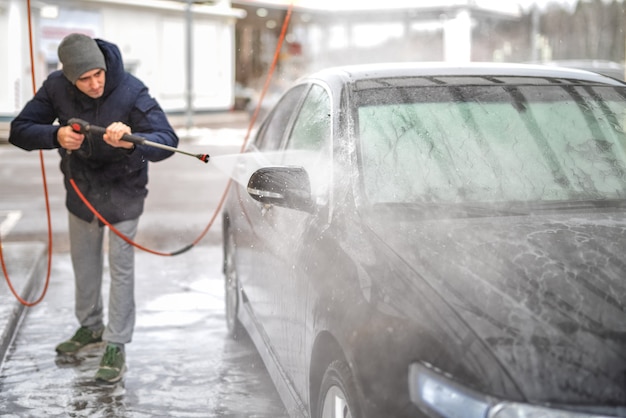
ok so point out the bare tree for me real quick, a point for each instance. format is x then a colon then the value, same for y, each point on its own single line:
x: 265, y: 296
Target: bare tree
x: 594, y: 30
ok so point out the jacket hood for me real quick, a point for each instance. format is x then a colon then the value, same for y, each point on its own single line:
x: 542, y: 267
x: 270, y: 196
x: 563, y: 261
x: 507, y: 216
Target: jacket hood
x: 545, y: 295
x: 115, y: 65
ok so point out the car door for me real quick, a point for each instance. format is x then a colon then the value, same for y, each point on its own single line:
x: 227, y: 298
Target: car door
x: 252, y: 233
x: 294, y: 232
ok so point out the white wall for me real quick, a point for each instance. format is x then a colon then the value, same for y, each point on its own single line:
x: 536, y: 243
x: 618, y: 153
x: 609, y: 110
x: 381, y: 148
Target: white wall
x: 151, y: 35
x: 15, y: 80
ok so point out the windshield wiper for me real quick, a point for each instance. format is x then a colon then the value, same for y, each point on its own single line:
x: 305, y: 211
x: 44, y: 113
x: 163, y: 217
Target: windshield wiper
x: 546, y: 205
x: 455, y: 210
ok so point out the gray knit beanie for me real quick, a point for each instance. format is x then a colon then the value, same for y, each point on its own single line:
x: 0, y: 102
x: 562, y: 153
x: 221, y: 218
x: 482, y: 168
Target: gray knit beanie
x: 79, y: 53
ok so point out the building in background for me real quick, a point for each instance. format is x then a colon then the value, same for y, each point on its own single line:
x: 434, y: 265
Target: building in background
x: 153, y: 36
x: 335, y: 32
x: 211, y: 55
x: 356, y: 32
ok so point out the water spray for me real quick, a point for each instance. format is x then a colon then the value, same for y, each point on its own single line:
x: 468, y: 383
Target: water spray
x: 83, y: 127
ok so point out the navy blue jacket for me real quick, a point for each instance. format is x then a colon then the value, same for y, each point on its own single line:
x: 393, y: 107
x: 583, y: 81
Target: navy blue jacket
x: 112, y: 179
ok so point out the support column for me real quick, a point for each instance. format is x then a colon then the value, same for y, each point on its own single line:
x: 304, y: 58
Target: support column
x: 457, y: 37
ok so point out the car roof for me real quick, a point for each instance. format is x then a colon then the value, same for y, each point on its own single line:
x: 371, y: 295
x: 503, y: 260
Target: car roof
x: 356, y: 73
x: 609, y: 68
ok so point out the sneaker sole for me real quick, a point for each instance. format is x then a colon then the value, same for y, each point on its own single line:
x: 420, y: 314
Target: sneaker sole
x: 84, y: 349
x: 113, y: 380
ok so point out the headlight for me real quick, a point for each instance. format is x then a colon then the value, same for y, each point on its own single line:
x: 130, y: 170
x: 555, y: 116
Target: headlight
x: 441, y: 397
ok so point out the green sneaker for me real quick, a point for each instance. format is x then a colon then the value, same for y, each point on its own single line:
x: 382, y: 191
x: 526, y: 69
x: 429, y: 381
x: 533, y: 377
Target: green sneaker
x: 112, y: 365
x: 84, y: 337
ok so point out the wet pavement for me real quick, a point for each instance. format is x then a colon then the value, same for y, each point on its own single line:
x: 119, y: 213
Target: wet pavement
x: 180, y: 364
x: 25, y: 262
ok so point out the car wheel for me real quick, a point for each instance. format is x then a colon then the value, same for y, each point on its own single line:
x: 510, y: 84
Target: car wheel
x: 231, y: 287
x: 338, y: 395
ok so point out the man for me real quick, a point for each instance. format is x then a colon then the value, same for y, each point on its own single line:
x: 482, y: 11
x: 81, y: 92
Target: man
x: 111, y: 173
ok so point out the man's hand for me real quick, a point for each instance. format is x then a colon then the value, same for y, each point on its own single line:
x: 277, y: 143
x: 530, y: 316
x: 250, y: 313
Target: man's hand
x: 114, y: 134
x: 69, y: 139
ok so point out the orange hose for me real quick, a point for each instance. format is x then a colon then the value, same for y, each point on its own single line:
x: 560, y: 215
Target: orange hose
x: 45, y: 190
x: 268, y: 79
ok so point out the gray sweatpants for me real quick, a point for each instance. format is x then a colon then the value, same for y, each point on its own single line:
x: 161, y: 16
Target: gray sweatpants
x: 86, y: 246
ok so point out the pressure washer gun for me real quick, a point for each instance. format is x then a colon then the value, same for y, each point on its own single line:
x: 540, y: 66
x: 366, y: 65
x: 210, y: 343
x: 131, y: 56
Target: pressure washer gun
x: 80, y: 126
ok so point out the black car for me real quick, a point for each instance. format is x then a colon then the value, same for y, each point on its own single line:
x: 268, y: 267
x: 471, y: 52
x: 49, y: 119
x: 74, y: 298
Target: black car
x: 423, y: 240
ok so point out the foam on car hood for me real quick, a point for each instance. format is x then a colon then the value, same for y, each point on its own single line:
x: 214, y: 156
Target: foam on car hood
x: 547, y: 295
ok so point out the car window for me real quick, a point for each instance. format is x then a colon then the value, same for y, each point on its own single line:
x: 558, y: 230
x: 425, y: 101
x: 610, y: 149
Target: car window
x: 494, y: 143
x: 309, y: 141
x: 273, y: 129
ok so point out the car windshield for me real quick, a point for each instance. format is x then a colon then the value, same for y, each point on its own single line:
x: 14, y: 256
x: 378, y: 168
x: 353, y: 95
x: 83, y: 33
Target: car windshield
x: 501, y: 142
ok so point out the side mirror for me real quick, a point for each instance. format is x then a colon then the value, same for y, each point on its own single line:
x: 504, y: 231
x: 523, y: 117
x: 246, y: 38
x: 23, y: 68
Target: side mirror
x: 288, y: 187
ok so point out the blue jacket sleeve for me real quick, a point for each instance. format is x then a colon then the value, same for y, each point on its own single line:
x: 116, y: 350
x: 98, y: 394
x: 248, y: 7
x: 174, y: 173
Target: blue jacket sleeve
x: 32, y: 128
x: 149, y: 121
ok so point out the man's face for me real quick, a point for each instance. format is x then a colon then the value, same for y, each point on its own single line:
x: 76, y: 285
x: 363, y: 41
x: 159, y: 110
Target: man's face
x: 92, y: 83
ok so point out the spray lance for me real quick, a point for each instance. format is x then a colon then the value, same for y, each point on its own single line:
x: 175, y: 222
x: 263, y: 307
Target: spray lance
x: 83, y: 127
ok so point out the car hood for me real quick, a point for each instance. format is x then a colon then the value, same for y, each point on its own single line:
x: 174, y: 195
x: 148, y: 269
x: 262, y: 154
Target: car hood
x: 545, y: 294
